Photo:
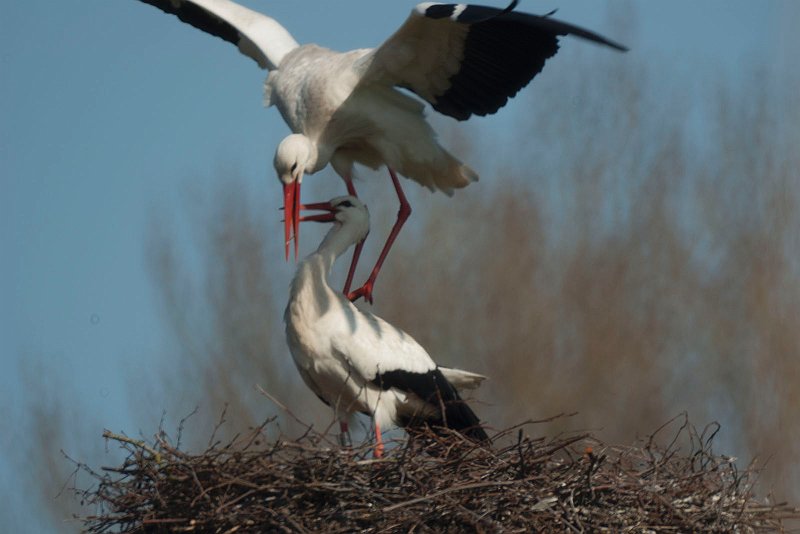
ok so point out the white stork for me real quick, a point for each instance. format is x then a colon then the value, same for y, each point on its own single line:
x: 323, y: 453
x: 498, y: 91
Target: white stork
x: 345, y: 108
x: 357, y: 362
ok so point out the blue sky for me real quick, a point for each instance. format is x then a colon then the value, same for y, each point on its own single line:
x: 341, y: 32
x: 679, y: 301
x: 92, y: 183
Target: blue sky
x: 110, y: 110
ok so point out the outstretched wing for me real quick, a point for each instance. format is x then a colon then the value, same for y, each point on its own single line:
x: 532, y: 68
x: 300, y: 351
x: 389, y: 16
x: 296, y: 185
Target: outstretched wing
x: 256, y: 35
x: 467, y: 59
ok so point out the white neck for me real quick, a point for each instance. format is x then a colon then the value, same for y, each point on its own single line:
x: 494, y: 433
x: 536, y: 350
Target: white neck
x: 336, y: 242
x: 310, y: 283
x: 320, y: 156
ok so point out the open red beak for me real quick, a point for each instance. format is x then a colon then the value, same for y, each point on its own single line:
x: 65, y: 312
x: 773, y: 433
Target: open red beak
x: 291, y: 221
x: 292, y: 209
x: 328, y: 216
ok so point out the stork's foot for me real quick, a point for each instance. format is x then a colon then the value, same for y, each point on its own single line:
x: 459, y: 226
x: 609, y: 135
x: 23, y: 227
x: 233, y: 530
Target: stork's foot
x: 363, y: 291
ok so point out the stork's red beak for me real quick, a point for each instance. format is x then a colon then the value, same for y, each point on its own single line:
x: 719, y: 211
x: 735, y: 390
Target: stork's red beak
x: 292, y: 209
x: 291, y: 221
x: 327, y: 207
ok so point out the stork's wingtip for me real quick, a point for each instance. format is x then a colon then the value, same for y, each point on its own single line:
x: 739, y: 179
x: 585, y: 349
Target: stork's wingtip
x: 613, y: 44
x: 618, y: 47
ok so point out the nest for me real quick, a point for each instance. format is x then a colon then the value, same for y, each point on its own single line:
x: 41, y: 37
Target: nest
x: 430, y: 482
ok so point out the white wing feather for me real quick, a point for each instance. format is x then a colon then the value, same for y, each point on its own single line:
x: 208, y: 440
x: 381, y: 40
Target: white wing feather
x: 256, y: 35
x: 265, y: 40
x: 375, y: 346
x: 423, y: 54
x: 462, y: 379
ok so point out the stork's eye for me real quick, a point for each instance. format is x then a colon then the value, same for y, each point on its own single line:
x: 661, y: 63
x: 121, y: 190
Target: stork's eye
x: 294, y: 166
x: 346, y: 204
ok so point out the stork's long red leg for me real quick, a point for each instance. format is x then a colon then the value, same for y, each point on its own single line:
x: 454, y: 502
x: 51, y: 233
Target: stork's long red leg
x: 378, y: 453
x: 402, y: 215
x: 351, y: 190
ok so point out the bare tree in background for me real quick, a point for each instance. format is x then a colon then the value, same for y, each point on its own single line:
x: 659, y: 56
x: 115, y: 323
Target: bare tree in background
x: 53, y: 428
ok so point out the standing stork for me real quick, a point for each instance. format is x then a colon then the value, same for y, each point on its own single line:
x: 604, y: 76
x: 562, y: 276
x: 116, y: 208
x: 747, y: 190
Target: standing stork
x: 357, y: 362
x: 345, y: 108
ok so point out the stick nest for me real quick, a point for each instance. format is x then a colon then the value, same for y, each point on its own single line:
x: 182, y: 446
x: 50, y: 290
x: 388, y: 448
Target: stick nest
x: 430, y: 482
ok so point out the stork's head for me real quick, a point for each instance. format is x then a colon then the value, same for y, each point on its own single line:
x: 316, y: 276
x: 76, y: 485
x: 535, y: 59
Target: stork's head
x: 294, y: 157
x: 348, y: 211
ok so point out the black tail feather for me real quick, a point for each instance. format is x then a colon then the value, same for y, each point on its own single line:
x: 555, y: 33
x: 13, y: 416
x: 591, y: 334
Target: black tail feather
x: 452, y: 411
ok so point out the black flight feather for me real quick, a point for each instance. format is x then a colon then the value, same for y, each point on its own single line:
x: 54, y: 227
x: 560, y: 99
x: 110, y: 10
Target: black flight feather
x: 433, y: 388
x: 503, y: 51
x: 198, y: 17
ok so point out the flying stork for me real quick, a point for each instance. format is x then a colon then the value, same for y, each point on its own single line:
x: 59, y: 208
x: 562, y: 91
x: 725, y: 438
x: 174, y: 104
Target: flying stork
x: 357, y: 362
x: 345, y: 108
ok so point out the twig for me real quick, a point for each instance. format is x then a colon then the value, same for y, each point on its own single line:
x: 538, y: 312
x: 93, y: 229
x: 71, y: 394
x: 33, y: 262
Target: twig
x: 135, y: 442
